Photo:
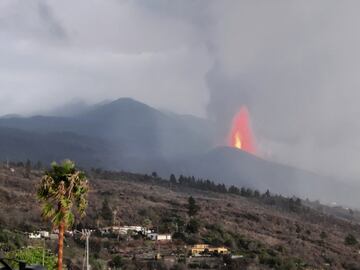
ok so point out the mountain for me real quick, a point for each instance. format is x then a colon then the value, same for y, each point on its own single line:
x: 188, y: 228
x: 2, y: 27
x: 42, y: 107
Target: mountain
x: 20, y: 145
x: 129, y: 130
x: 129, y: 135
x: 144, y: 131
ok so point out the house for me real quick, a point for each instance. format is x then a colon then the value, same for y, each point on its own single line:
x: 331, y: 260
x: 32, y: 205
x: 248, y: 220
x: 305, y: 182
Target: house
x: 73, y: 233
x: 123, y: 230
x: 164, y: 237
x: 159, y: 237
x: 107, y: 230
x: 35, y: 235
x: 39, y: 234
x: 201, y: 249
x: 44, y: 234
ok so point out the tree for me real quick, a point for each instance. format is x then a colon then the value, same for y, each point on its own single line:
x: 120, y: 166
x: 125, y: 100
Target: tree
x: 27, y: 169
x: 173, y: 179
x: 193, y: 226
x: 63, y: 188
x: 193, y: 208
x: 256, y: 194
x: 38, y: 165
x: 267, y: 193
x: 106, y: 212
x: 350, y: 240
x: 234, y: 190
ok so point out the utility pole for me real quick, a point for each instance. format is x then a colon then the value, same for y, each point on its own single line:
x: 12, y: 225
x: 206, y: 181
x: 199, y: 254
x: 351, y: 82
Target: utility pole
x: 87, y: 252
x: 43, y: 257
x: 157, y: 241
x: 116, y: 223
x: 114, y: 217
x: 86, y: 235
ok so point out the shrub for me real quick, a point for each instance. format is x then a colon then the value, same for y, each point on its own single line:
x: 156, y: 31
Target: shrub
x: 193, y: 226
x: 350, y: 240
x: 179, y: 236
x: 116, y: 262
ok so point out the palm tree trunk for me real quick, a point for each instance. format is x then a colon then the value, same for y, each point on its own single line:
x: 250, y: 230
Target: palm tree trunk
x: 61, y: 245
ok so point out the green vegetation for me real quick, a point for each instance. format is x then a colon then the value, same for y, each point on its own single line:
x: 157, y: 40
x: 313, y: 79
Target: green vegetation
x: 193, y: 208
x: 275, y: 261
x: 323, y: 235
x: 116, y: 262
x: 106, y: 212
x: 10, y: 241
x: 193, y: 226
x: 288, y: 204
x: 350, y: 240
x: 36, y: 255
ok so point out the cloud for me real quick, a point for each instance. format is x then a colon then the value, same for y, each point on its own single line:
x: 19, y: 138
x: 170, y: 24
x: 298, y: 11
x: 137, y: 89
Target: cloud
x: 47, y: 16
x: 294, y: 64
x: 63, y: 50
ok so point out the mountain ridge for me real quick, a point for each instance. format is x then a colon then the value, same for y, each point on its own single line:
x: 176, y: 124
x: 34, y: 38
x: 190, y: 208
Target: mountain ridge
x: 129, y: 135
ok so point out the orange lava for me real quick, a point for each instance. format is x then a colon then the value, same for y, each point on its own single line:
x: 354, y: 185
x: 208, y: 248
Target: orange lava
x: 241, y: 135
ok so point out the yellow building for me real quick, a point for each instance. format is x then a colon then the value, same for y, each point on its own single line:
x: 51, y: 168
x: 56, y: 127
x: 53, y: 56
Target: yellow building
x: 206, y: 249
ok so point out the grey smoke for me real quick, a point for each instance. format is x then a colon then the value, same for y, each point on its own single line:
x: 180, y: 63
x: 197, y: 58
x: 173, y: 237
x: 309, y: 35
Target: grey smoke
x: 293, y: 63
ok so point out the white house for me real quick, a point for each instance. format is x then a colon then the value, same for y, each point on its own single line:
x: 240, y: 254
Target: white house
x: 123, y: 230
x: 159, y: 237
x: 35, y: 235
x: 164, y: 237
x: 44, y: 234
x: 106, y: 230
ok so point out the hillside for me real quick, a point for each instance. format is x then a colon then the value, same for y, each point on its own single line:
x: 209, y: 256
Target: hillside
x: 269, y: 231
x: 235, y: 167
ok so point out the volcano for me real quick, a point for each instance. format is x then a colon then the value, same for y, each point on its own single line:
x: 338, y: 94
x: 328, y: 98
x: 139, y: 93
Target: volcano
x: 233, y: 166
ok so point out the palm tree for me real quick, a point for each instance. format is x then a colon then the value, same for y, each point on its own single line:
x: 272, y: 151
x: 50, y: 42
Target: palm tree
x: 63, y: 188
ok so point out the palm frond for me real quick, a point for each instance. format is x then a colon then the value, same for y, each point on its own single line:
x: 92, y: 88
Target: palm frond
x: 48, y: 210
x: 65, y: 203
x: 58, y: 218
x: 69, y: 218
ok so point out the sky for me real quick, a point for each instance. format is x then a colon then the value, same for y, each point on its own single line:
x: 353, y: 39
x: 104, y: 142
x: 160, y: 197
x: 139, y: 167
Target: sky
x: 294, y: 64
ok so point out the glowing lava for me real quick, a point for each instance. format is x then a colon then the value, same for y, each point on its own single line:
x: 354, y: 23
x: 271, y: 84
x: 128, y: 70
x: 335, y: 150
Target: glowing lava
x: 241, y: 135
x: 238, y: 140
